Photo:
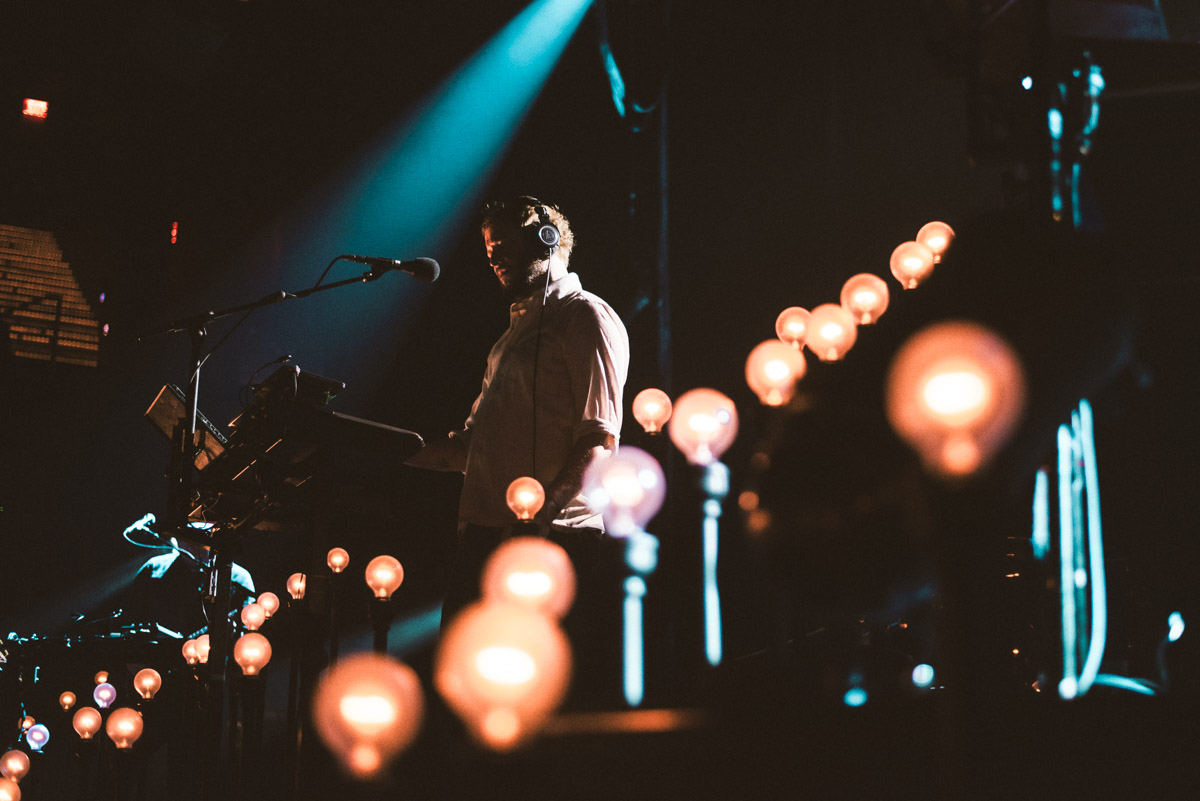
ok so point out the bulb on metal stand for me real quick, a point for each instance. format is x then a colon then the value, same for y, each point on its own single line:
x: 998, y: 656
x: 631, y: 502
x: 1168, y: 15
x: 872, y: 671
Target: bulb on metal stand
x: 296, y: 584
x: 384, y: 576
x: 337, y: 559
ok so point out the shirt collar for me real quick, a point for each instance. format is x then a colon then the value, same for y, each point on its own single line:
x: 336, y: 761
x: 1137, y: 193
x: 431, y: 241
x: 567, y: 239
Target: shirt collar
x: 563, y: 286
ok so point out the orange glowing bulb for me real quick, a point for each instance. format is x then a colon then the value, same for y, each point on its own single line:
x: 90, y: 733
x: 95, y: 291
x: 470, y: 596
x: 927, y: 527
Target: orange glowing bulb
x: 865, y: 296
x: 936, y: 236
x: 252, y: 651
x: 384, y: 575
x: 124, y: 727
x: 269, y: 601
x: 911, y: 263
x: 203, y: 646
x: 337, y: 559
x: 66, y: 700
x: 147, y: 682
x: 525, y: 497
x: 831, y: 332
x: 9, y: 790
x: 296, y: 585
x: 791, y: 326
x: 772, y: 370
x: 652, y: 409
x: 189, y: 652
x: 27, y: 722
x: 253, y: 616
x: 100, y: 677
x: 14, y: 765
x: 531, y: 571
x: 705, y: 425
x: 86, y: 722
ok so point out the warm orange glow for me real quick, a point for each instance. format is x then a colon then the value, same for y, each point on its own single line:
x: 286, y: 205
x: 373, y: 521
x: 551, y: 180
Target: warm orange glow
x: 337, y: 559
x: 269, y: 601
x: 531, y: 571
x: 124, y: 727
x: 384, y: 576
x: 252, y: 652
x: 203, y: 646
x: 86, y: 722
x: 253, y: 616
x: 367, y: 709
x: 9, y: 790
x: 100, y: 677
x: 66, y: 700
x: 772, y: 370
x: 791, y: 326
x: 628, y: 488
x: 14, y: 765
x: 38, y: 109
x: 865, y: 296
x: 955, y: 392
x: 189, y: 652
x: 296, y: 584
x: 146, y: 682
x: 705, y: 425
x: 911, y: 263
x: 936, y: 236
x: 27, y: 722
x: 652, y: 409
x: 525, y: 497
x: 831, y: 332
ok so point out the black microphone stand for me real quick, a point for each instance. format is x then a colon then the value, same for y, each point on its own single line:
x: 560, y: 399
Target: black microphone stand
x: 183, y: 481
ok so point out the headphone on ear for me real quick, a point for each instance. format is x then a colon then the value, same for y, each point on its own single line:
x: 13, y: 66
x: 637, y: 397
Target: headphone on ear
x: 544, y: 234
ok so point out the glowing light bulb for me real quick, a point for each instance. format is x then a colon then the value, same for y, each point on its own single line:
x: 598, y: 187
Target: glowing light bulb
x: 652, y: 409
x: 253, y: 616
x: 37, y: 736
x: 203, y: 646
x: 955, y: 392
x: 269, y: 601
x: 104, y: 695
x: 124, y: 727
x: 831, y: 332
x: 772, y: 370
x: 66, y: 700
x: 911, y: 263
x: 14, y: 765
x: 936, y: 236
x: 146, y: 682
x: 865, y: 296
x: 367, y: 709
x: 628, y: 487
x: 525, y: 497
x: 252, y: 652
x: 86, y: 722
x: 791, y: 326
x: 530, y: 571
x: 189, y: 652
x: 9, y: 790
x: 384, y: 576
x: 503, y: 668
x: 100, y: 677
x: 705, y: 425
x: 27, y: 722
x: 337, y: 559
x: 296, y: 584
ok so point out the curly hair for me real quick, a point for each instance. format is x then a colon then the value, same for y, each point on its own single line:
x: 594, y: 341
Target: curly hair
x: 522, y: 212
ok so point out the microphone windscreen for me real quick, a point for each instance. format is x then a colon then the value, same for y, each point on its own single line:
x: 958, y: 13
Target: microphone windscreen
x: 424, y: 269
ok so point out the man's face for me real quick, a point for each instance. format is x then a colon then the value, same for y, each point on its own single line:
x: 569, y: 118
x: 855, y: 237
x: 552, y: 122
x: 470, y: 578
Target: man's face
x: 518, y: 270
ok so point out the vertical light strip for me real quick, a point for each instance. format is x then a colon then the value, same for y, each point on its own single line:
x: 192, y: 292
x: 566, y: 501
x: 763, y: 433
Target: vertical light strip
x: 712, y: 597
x: 1041, y: 515
x: 1066, y: 537
x: 634, y: 667
x: 1095, y: 655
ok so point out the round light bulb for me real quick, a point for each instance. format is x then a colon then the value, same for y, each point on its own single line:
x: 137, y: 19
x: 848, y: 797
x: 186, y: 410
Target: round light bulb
x: 9, y: 790
x: 865, y: 296
x: 14, y: 765
x: 86, y: 722
x: 104, y: 695
x: 955, y: 392
x: 503, y: 668
x: 253, y: 616
x: 252, y: 651
x: 911, y: 263
x: 27, y: 722
x: 628, y: 487
x: 337, y: 559
x: 705, y: 425
x: 189, y: 652
x: 37, y: 736
x: 936, y: 236
x: 525, y: 497
x: 531, y: 571
x: 772, y: 370
x: 791, y: 326
x: 384, y: 576
x: 269, y: 601
x: 147, y: 682
x: 100, y: 677
x: 203, y: 646
x: 296, y: 585
x: 831, y: 332
x: 368, y: 708
x: 652, y: 409
x: 66, y: 700
x: 124, y: 727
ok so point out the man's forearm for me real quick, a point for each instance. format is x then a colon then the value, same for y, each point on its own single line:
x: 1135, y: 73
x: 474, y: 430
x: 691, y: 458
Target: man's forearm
x: 569, y: 481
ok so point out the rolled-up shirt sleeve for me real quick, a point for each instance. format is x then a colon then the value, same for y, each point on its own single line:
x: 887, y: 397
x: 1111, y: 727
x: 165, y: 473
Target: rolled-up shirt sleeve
x: 596, y: 350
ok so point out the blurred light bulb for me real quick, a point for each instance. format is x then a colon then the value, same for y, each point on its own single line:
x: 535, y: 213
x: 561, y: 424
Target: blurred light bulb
x: 27, y: 722
x: 104, y: 695
x: 66, y: 700
x: 503, y: 669
x: 530, y: 571
x: 14, y: 765
x: 269, y: 601
x: 337, y: 559
x: 253, y: 616
x: 525, y: 497
x: 146, y: 682
x: 705, y: 425
x: 100, y: 677
x: 189, y: 652
x: 252, y: 651
x: 367, y: 708
x: 865, y: 296
x: 911, y: 263
x: 831, y: 332
x: 86, y: 722
x: 955, y: 392
x: 384, y: 576
x: 628, y: 487
x: 296, y: 584
x: 772, y: 370
x: 9, y: 790
x: 791, y: 326
x: 652, y: 409
x: 936, y: 236
x: 124, y: 727
x: 37, y: 736
x: 203, y: 646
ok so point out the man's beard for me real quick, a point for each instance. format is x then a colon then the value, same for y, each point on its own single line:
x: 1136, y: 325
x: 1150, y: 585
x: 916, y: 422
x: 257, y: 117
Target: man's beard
x: 535, y: 279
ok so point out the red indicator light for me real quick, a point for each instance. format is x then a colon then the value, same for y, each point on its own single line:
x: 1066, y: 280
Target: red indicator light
x: 36, y: 108
x: 174, y: 232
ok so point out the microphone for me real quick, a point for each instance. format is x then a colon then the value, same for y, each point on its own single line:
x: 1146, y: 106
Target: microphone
x: 422, y: 269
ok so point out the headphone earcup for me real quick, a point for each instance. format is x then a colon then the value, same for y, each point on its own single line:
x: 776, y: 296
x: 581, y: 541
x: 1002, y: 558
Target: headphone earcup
x: 546, y: 234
